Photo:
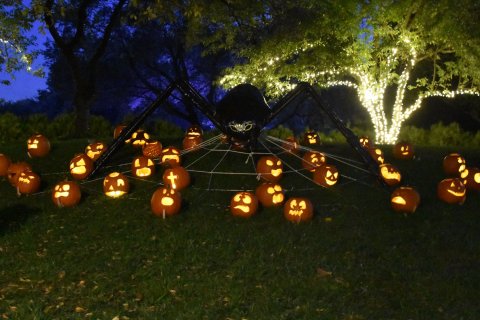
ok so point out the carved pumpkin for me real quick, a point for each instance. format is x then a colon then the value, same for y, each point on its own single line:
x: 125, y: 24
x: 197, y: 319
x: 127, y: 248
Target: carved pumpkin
x: 170, y: 157
x: 238, y: 145
x: 405, y: 200
x: 270, y: 194
x: 377, y: 154
x: 390, y: 174
x: 14, y: 170
x: 115, y: 185
x: 312, y: 160
x: 291, y: 145
x: 95, y: 150
x: 298, y: 210
x: 192, y: 142
x: 453, y: 164
x: 403, y: 150
x: 270, y: 168
x: 471, y: 178
x: 452, y: 191
x: 28, y: 182
x: 80, y: 166
x: 152, y: 149
x: 326, y: 175
x: 143, y: 167
x: 166, y: 202
x: 118, y: 130
x: 139, y: 138
x: 365, y: 142
x: 311, y: 138
x: 66, y: 194
x: 194, y: 131
x: 38, y: 146
x: 243, y: 204
x: 177, y: 178
x: 4, y: 164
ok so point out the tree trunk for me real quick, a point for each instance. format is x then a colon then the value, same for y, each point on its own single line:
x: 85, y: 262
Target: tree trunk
x: 84, y: 96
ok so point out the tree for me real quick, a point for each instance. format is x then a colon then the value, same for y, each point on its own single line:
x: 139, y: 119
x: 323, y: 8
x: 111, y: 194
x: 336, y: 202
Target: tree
x: 395, y: 54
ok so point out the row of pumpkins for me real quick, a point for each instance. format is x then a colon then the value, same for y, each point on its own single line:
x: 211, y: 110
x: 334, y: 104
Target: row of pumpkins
x: 167, y: 200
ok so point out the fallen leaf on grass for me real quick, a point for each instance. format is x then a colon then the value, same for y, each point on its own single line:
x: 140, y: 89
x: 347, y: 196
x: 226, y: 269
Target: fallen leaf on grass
x: 323, y: 273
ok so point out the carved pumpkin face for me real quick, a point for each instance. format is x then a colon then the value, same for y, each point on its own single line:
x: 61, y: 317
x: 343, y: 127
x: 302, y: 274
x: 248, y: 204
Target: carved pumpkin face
x: 170, y: 157
x: 66, y: 194
x: 118, y: 130
x: 80, y: 166
x: 38, y: 146
x: 471, y: 178
x: 176, y: 178
x: 311, y: 138
x: 453, y: 164
x: 405, y: 200
x: 115, y: 185
x: 143, y: 167
x: 298, y: 210
x: 312, y: 160
x: 390, y: 174
x: 326, y: 175
x: 139, y: 138
x: 152, y: 149
x: 243, y: 204
x: 166, y: 202
x: 270, y: 194
x: 291, y: 145
x: 4, y: 164
x: 28, y: 182
x: 403, y: 150
x: 365, y: 142
x: 270, y: 168
x: 194, y: 131
x: 14, y: 170
x: 377, y: 154
x: 452, y: 191
x: 95, y: 150
x: 192, y: 142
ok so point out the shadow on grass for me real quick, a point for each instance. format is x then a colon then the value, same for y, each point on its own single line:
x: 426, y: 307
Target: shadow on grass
x: 14, y: 216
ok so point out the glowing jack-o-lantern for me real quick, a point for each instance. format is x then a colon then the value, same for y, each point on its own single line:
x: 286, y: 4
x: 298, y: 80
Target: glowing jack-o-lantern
x: 4, y: 164
x: 326, y: 175
x: 311, y: 138
x: 177, y: 178
x: 405, y: 200
x: 28, y: 182
x: 139, y: 138
x: 118, y: 130
x: 298, y: 210
x: 291, y: 145
x: 15, y: 169
x: 95, y: 150
x: 452, y: 191
x: 390, y: 174
x: 143, y: 167
x: 192, y: 142
x: 471, y: 178
x: 38, y: 146
x: 170, y: 157
x: 270, y: 168
x: 243, y: 204
x: 166, y: 202
x: 377, y: 154
x: 194, y: 131
x: 403, y: 150
x: 270, y: 194
x: 115, y: 185
x: 66, y: 194
x: 453, y: 164
x: 365, y: 142
x: 152, y: 149
x: 312, y: 160
x: 80, y: 166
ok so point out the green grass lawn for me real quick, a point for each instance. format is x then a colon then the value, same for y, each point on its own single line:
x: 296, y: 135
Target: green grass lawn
x: 357, y: 259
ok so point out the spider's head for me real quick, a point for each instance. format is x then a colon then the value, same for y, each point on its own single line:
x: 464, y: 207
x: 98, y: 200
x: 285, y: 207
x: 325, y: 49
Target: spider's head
x: 241, y: 127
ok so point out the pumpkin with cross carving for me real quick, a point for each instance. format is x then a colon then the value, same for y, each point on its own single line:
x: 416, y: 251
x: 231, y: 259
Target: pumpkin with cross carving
x: 66, y: 194
x: 166, y: 202
x: 115, y: 185
x: 312, y: 160
x: 38, y: 146
x: 270, y: 194
x: 326, y: 175
x: 452, y: 191
x: 143, y: 167
x: 176, y: 178
x: 28, y: 182
x: 14, y: 170
x: 453, y: 164
x: 270, y: 168
x: 405, y: 200
x: 4, y: 164
x: 80, y: 166
x: 94, y: 150
x: 298, y: 209
x: 243, y: 204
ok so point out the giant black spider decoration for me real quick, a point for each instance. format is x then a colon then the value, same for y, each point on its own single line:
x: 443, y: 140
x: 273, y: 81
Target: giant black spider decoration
x: 241, y: 115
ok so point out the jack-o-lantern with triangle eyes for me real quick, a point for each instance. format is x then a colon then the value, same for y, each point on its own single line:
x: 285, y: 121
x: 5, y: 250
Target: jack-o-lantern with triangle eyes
x: 326, y: 175
x: 471, y: 178
x: 170, y: 157
x: 270, y: 194
x: 298, y: 210
x: 28, y: 182
x: 115, y: 185
x: 452, y: 191
x: 152, y: 149
x: 143, y: 167
x: 194, y: 131
x: 270, y: 168
x: 15, y: 169
x: 192, y: 142
x: 177, y: 178
x: 95, y: 150
x: 312, y: 160
x: 377, y: 154
x: 405, y: 200
x: 403, y: 150
x: 453, y: 164
x: 139, y: 138
x: 311, y: 138
x: 38, y: 146
x: 4, y: 164
x: 365, y: 142
x: 291, y: 145
x: 390, y: 174
x: 243, y: 204
x: 80, y: 166
x: 166, y: 202
x: 66, y: 194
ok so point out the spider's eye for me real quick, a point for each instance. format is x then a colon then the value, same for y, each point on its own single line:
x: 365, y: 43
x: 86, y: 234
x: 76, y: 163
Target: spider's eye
x: 247, y: 126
